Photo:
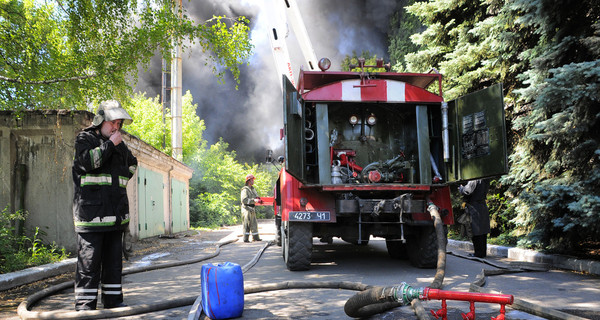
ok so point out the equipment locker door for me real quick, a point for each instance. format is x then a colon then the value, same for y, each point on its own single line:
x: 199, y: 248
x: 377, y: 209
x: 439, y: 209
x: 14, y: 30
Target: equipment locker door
x: 179, y: 209
x: 293, y: 122
x: 477, y: 133
x: 150, y: 203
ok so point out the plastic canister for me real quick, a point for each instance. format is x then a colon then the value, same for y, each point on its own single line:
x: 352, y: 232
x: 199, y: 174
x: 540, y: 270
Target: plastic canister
x: 222, y: 290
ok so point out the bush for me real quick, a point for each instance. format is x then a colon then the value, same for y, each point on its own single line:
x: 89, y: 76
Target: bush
x: 18, y: 251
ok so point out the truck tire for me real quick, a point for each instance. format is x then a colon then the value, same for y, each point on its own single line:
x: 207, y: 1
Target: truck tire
x: 396, y: 249
x: 278, y: 231
x: 297, y: 245
x: 422, y: 248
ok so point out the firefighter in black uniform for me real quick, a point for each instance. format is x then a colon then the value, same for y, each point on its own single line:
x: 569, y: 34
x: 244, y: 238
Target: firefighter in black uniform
x: 102, y: 166
x: 478, y: 215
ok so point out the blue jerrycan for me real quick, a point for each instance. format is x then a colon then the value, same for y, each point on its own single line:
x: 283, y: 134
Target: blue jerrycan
x: 222, y: 290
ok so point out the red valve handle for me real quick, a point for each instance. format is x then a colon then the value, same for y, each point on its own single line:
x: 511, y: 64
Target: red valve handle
x: 468, y: 316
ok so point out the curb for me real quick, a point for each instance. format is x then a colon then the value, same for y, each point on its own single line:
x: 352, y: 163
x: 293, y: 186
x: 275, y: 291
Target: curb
x: 553, y: 260
x: 21, y: 277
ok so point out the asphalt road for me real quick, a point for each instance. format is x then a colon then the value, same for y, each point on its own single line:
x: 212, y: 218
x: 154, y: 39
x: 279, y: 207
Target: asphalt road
x: 336, y: 262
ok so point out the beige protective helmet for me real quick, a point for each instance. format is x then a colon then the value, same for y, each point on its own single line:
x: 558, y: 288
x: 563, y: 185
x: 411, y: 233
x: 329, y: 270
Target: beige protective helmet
x: 110, y: 110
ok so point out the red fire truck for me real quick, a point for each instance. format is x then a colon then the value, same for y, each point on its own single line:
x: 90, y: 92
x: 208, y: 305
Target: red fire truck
x: 366, y: 152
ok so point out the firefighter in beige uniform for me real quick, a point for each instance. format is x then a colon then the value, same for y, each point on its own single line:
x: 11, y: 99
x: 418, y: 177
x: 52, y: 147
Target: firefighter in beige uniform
x: 249, y: 198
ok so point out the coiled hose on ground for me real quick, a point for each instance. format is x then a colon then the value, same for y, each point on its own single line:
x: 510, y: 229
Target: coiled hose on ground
x: 367, y: 297
x: 378, y: 299
x: 363, y: 304
x: 24, y: 308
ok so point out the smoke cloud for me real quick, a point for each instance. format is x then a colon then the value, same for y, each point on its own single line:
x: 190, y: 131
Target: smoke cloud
x: 250, y: 118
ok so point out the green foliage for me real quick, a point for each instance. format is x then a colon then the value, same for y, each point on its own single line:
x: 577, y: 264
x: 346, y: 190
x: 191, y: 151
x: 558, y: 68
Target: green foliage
x: 216, y: 186
x: 547, y: 55
x: 17, y: 251
x: 402, y: 26
x: 370, y: 60
x: 461, y: 42
x: 218, y: 176
x: 66, y: 54
x: 556, y: 174
x: 148, y: 124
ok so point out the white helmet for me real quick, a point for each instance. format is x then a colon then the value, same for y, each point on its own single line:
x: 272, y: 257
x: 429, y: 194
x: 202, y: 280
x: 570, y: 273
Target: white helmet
x: 110, y: 110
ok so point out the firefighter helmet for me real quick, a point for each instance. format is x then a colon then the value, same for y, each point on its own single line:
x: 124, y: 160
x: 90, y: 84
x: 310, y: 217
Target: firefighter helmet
x: 110, y: 110
x: 249, y: 176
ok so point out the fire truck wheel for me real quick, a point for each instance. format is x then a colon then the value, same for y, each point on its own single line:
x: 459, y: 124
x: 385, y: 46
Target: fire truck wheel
x: 422, y: 248
x: 396, y: 249
x: 297, y: 245
x: 278, y: 231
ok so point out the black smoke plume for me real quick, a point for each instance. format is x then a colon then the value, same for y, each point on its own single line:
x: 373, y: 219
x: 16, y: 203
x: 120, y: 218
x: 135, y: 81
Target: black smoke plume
x: 249, y: 119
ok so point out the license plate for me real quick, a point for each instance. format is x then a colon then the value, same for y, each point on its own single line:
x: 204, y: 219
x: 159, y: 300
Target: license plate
x: 309, y: 216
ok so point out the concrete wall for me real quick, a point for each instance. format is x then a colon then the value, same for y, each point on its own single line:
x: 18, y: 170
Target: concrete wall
x: 36, y: 157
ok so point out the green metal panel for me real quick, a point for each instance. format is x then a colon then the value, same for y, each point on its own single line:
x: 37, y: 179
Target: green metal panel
x: 323, y: 143
x: 178, y: 206
x: 477, y: 135
x: 424, y: 151
x: 295, y: 161
x: 150, y: 203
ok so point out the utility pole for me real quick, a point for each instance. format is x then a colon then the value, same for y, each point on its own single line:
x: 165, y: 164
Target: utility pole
x: 165, y: 96
x: 176, y: 93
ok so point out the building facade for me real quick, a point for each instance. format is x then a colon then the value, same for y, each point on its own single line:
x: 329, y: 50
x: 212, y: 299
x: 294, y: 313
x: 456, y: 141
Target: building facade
x: 36, y: 157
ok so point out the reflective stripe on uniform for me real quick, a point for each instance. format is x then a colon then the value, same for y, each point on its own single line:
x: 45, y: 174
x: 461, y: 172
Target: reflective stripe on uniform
x: 132, y: 169
x: 100, y: 222
x: 96, y: 179
x: 86, y: 294
x: 112, y: 287
x: 96, y: 157
x: 123, y: 181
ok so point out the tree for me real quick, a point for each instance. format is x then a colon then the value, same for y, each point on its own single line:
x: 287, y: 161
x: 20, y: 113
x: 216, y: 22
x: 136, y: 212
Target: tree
x: 546, y: 54
x: 68, y: 53
x: 402, y: 26
x: 555, y: 175
x: 148, y: 124
x: 218, y: 176
x: 216, y: 185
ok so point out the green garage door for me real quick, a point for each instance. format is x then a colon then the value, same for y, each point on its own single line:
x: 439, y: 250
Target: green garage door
x: 179, y: 200
x: 150, y: 203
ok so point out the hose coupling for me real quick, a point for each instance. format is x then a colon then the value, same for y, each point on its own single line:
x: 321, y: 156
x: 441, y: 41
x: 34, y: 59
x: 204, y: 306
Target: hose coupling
x: 404, y: 293
x: 431, y: 206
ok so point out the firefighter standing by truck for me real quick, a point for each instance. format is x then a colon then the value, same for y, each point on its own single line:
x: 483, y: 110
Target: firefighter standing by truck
x: 477, y: 212
x: 249, y: 197
x: 102, y: 166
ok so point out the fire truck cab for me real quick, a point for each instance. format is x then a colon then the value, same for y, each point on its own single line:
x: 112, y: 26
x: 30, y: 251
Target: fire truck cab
x: 366, y: 152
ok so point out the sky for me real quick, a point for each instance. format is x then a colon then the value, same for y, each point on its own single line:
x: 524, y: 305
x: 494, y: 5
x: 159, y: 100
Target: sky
x: 250, y: 118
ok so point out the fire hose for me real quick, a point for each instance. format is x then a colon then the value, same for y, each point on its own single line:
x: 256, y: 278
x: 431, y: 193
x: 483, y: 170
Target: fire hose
x: 378, y: 299
x: 396, y: 296
x: 24, y: 307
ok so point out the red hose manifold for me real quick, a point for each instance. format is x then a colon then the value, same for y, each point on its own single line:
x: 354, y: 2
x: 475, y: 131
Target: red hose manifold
x: 471, y: 297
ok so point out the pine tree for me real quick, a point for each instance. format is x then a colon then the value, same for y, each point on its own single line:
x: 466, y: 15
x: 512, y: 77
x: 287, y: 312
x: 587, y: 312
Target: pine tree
x: 547, y: 55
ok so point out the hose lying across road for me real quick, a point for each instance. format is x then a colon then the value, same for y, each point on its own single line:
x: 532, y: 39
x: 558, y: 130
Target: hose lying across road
x: 24, y: 308
x: 378, y: 299
x: 369, y: 301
